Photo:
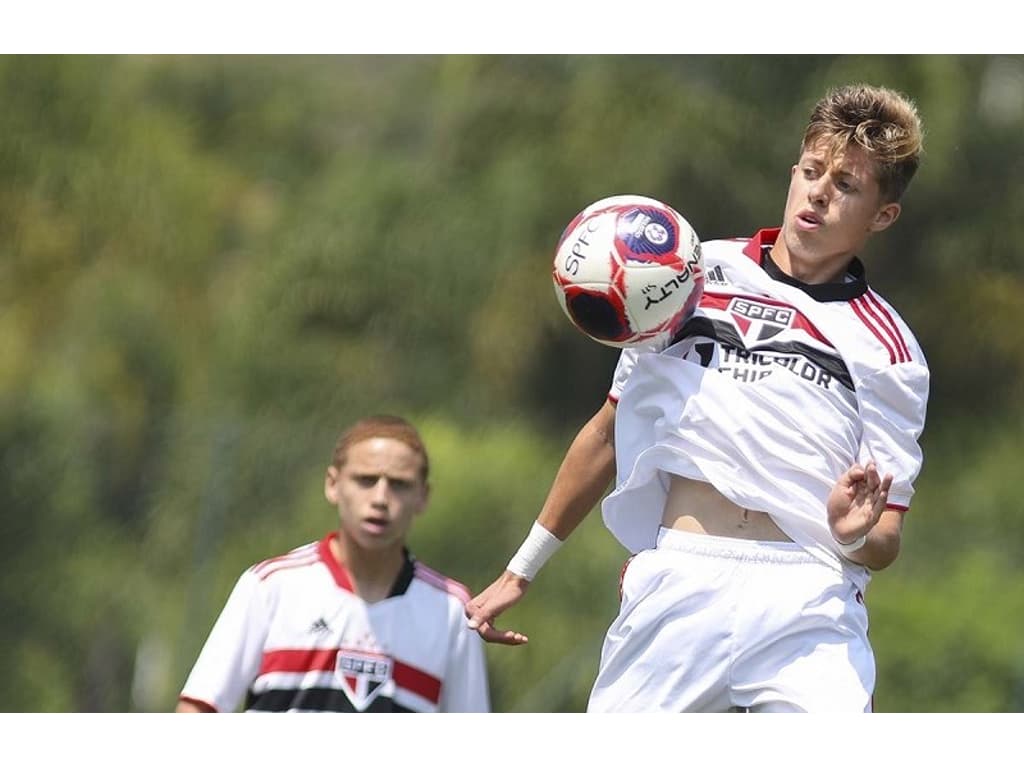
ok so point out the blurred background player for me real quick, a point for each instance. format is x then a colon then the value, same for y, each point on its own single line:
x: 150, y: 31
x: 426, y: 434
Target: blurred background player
x: 751, y: 452
x: 351, y: 623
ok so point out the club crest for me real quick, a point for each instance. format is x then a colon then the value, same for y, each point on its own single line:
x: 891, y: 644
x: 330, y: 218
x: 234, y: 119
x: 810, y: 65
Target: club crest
x: 363, y: 675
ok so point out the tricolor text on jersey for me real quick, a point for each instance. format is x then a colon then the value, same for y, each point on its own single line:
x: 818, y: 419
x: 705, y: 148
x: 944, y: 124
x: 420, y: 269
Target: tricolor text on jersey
x: 748, y: 366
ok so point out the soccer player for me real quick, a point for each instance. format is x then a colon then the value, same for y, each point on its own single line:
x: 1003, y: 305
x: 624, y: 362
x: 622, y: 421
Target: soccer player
x: 350, y: 623
x: 765, y: 456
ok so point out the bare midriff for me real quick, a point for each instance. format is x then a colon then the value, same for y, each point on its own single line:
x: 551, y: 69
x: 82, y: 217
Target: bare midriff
x: 697, y: 507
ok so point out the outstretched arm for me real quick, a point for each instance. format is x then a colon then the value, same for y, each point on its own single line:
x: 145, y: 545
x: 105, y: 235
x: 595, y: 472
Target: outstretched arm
x: 585, y: 473
x: 857, y: 507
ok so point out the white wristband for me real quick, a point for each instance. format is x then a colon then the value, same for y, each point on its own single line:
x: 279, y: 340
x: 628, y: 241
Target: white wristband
x: 540, y: 544
x: 853, y: 546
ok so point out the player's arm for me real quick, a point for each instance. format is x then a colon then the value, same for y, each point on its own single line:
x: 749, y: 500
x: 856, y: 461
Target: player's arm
x: 230, y: 658
x: 189, y: 706
x: 866, y: 509
x: 586, y: 471
x: 584, y: 475
x: 866, y: 530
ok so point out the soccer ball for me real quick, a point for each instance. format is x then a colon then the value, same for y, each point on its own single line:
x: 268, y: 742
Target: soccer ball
x: 628, y: 270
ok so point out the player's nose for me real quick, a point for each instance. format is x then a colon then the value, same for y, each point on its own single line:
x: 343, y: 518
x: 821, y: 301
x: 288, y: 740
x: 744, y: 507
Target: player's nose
x: 817, y: 191
x: 380, y: 494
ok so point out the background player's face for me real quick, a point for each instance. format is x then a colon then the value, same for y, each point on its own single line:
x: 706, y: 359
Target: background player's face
x: 834, y: 205
x: 378, y: 491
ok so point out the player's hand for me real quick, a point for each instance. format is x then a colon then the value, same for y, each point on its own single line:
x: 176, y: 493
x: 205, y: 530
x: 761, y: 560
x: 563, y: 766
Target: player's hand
x: 857, y: 501
x: 483, y: 609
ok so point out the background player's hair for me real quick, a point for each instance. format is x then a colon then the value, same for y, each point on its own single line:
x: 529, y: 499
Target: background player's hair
x: 393, y: 427
x: 882, y: 121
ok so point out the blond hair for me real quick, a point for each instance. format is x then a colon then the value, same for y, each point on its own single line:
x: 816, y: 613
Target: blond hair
x: 881, y: 121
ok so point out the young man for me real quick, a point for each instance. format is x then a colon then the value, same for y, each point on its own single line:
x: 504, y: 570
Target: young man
x: 351, y: 623
x: 765, y: 457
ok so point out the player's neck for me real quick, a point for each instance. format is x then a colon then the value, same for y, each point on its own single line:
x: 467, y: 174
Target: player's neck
x: 373, y: 572
x: 812, y: 271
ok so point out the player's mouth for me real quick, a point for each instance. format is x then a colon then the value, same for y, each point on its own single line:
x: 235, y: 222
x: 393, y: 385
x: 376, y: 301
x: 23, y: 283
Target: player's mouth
x: 808, y: 220
x: 375, y: 526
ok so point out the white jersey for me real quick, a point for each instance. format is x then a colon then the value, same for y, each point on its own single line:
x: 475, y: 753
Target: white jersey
x: 294, y: 636
x: 770, y: 392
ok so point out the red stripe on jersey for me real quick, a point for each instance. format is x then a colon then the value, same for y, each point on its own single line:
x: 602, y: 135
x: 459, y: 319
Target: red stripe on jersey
x: 300, y: 553
x: 881, y: 326
x: 284, y: 565
x: 714, y: 300
x: 419, y: 682
x: 337, y: 570
x: 753, y: 249
x: 412, y: 679
x: 860, y: 310
x: 897, y: 507
x: 890, y: 325
x: 440, y: 581
x: 299, y: 660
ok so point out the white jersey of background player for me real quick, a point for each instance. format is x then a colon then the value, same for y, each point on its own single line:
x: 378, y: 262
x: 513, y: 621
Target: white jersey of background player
x: 765, y: 459
x: 350, y: 623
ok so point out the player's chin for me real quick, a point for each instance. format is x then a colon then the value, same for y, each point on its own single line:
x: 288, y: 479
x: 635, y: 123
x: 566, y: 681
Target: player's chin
x: 375, y: 540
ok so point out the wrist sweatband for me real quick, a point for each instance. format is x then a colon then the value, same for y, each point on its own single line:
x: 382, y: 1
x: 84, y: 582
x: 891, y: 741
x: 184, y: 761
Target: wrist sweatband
x: 540, y: 544
x: 853, y: 546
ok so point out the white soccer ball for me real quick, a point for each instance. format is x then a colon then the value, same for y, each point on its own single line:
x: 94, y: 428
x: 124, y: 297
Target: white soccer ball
x: 628, y: 270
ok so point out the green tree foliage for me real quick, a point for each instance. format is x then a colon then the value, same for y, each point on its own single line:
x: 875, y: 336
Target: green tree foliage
x: 210, y: 265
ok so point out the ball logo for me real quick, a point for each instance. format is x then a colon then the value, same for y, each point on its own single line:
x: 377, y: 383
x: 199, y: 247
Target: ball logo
x: 645, y: 233
x: 656, y: 233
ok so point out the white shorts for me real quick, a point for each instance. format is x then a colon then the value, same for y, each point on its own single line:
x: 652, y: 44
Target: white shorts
x: 710, y: 624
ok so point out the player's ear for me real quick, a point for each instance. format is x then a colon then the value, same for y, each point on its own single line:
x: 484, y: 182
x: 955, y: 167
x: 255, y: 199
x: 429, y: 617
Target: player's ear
x: 331, y: 484
x: 425, y: 500
x: 885, y: 216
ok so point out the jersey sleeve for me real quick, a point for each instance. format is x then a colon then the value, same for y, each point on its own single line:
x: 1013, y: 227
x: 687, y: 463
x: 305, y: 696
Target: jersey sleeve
x: 893, y: 403
x: 626, y: 363
x: 231, y: 657
x: 465, y: 686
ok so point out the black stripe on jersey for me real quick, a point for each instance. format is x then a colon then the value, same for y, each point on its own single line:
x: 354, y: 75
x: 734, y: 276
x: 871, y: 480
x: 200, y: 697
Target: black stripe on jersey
x: 724, y: 333
x: 849, y: 289
x: 405, y: 576
x: 315, y: 700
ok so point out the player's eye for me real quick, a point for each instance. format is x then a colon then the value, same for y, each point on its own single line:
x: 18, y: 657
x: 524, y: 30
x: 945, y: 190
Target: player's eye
x: 365, y: 481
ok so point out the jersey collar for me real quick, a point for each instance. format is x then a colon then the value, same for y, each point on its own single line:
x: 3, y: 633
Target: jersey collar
x: 758, y: 250
x: 344, y: 580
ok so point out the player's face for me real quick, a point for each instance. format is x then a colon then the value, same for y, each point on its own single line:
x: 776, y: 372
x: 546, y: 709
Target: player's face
x: 378, y: 491
x: 834, y: 205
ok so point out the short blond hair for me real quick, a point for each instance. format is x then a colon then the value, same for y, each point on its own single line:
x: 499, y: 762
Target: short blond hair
x: 881, y: 121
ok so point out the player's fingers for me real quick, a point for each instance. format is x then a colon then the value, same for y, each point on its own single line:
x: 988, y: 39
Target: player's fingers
x: 871, y: 476
x: 501, y: 636
x: 854, y: 475
x: 477, y: 615
x: 883, y: 497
